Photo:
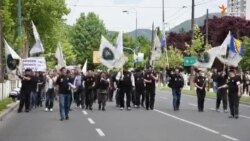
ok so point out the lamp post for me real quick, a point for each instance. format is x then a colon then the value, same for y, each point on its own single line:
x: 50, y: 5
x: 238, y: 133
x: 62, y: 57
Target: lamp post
x: 133, y: 10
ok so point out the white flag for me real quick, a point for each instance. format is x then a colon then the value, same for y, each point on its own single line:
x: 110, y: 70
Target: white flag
x: 212, y: 53
x: 225, y: 44
x: 13, y: 61
x: 156, y: 50
x: 107, y: 53
x: 120, y: 58
x: 38, y: 46
x: 59, y: 56
x: 84, y: 68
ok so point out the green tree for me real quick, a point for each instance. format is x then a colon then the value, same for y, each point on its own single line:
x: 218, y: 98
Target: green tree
x: 245, y: 62
x: 198, y: 45
x: 85, y: 36
x: 174, y: 56
x: 46, y: 14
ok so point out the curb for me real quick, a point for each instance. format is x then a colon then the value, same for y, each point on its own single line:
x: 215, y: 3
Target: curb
x: 10, y: 108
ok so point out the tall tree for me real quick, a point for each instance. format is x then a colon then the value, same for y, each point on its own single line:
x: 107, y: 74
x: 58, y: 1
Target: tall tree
x: 86, y: 35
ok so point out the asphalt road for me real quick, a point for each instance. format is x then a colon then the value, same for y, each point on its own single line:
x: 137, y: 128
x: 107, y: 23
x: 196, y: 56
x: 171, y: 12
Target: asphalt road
x: 161, y: 124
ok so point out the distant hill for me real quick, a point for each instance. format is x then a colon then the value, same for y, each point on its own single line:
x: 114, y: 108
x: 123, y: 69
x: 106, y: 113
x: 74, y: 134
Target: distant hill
x: 141, y: 32
x: 186, y: 25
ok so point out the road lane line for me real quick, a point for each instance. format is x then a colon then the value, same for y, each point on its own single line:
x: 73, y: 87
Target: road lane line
x: 228, y: 137
x: 91, y: 121
x: 99, y: 131
x: 84, y: 112
x: 246, y: 106
x: 191, y: 104
x: 189, y: 122
x: 245, y: 116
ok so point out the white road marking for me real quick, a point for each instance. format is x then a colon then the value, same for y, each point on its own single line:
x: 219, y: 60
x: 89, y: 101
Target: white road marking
x: 189, y: 122
x: 84, y: 112
x: 99, y: 131
x: 243, y: 105
x: 245, y: 116
x: 91, y: 121
x: 163, y: 98
x: 228, y: 137
x: 196, y: 124
x: 192, y: 104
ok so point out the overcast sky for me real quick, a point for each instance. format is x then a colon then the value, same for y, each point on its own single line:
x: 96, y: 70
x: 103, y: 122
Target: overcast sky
x: 148, y: 11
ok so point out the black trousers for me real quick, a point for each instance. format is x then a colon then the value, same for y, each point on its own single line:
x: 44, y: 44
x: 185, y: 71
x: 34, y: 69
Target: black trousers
x: 89, y: 98
x: 117, y: 97
x: 139, y: 96
x: 150, y: 98
x: 234, y: 103
x: 49, y: 98
x: 110, y: 94
x: 102, y: 98
x: 24, y: 100
x: 201, y: 94
x: 125, y: 90
x: 221, y: 95
x: 79, y: 97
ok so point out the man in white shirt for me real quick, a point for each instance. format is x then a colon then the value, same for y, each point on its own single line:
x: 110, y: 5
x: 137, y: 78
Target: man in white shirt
x: 126, y: 82
x: 50, y: 92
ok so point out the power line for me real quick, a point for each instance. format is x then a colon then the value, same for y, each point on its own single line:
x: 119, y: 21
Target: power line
x: 124, y: 6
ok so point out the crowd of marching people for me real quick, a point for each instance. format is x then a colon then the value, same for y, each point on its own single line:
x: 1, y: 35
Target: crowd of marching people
x: 137, y: 87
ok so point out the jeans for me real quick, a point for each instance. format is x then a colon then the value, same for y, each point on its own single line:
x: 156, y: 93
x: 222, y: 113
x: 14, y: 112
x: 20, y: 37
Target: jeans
x: 64, y: 101
x: 33, y: 97
x: 176, y: 98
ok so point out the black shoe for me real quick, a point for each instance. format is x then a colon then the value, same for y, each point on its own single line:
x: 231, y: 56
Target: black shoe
x: 26, y: 111
x: 236, y: 116
x: 103, y: 109
x: 146, y: 108
x: 231, y: 116
x: 19, y: 111
x: 67, y: 118
x: 90, y: 108
x: 99, y: 108
x: 61, y: 119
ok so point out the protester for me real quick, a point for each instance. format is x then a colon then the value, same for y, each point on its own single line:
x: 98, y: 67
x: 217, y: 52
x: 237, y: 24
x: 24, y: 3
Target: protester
x: 25, y: 90
x: 63, y: 90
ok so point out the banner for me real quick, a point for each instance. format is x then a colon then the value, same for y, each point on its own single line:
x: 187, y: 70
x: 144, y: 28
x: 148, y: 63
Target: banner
x: 35, y: 63
x: 96, y: 57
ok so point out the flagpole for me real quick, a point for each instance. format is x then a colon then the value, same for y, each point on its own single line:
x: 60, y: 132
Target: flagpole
x: 163, y: 30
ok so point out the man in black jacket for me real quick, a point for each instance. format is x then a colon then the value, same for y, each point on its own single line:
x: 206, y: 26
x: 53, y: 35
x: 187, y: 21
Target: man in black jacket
x: 176, y: 83
x: 25, y: 90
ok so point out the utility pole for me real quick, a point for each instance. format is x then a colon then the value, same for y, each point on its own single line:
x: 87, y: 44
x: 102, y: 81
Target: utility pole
x: 19, y: 18
x: 163, y: 11
x: 1, y: 48
x: 192, y: 17
x: 207, y: 28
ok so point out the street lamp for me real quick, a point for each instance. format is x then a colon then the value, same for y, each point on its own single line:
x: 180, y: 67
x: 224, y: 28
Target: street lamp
x: 133, y: 10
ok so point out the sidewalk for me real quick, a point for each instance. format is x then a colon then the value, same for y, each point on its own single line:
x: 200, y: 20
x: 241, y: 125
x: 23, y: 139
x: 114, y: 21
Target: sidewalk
x: 9, y: 109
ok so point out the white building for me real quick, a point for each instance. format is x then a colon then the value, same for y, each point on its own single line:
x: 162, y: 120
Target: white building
x: 237, y: 7
x: 248, y: 10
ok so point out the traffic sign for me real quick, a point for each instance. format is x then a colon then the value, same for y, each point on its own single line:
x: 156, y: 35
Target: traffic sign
x: 189, y: 61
